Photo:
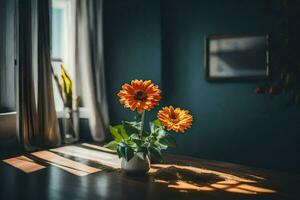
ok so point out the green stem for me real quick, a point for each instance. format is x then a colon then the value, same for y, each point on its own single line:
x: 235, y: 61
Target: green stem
x: 142, y: 122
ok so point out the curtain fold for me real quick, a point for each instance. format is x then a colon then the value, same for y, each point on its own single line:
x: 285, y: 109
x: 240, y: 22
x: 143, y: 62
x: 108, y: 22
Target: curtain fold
x: 27, y: 115
x: 90, y: 65
x: 48, y: 125
x: 37, y: 122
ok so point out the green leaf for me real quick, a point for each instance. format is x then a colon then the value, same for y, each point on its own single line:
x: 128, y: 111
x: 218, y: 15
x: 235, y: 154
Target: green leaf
x: 128, y: 153
x: 137, y: 124
x: 141, y: 155
x: 134, y: 136
x: 160, y: 146
x: 118, y: 132
x: 138, y: 142
x: 125, y: 151
x: 157, y: 129
x: 122, y: 131
x: 143, y: 149
x: 121, y: 150
x: 130, y: 129
x: 155, y: 152
x: 115, y: 133
x: 168, y: 140
x: 142, y: 152
x: 161, y: 132
x: 157, y: 123
x: 112, y: 145
x: 154, y: 125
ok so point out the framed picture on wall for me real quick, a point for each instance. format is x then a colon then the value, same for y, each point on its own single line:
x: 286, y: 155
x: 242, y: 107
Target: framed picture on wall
x: 240, y: 57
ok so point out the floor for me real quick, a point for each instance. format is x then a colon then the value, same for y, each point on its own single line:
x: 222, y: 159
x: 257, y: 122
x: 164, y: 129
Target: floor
x: 87, y: 171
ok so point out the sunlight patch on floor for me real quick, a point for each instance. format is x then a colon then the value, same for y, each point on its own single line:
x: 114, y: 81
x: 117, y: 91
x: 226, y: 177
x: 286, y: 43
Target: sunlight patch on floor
x: 103, y: 158
x: 66, y: 164
x: 24, y: 163
x: 97, y: 147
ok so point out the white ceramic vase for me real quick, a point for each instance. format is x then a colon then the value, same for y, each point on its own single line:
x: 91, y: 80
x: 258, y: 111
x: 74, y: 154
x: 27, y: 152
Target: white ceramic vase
x: 136, y: 165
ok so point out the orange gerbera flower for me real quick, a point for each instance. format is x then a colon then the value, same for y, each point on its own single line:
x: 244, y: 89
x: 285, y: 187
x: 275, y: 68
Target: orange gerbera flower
x: 140, y: 95
x: 175, y: 119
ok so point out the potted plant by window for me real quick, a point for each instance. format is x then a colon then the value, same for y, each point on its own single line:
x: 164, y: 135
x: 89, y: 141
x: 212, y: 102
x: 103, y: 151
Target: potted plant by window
x: 70, y: 113
x: 131, y: 141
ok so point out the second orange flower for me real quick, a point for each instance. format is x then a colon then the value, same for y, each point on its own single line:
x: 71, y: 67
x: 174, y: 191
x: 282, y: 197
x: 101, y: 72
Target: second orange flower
x: 175, y: 119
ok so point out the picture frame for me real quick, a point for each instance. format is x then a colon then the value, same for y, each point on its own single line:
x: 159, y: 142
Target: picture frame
x: 236, y: 57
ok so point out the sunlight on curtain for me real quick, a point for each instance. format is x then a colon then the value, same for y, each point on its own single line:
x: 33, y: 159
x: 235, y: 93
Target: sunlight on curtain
x: 90, y: 63
x: 38, y: 125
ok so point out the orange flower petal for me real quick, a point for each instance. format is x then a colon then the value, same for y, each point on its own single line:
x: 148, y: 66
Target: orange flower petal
x: 139, y: 95
x: 177, y: 119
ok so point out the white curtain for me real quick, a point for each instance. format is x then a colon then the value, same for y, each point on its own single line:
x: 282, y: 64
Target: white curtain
x: 90, y: 64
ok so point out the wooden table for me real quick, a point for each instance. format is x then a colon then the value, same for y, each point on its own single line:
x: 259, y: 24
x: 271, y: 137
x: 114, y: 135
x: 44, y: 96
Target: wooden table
x: 86, y: 172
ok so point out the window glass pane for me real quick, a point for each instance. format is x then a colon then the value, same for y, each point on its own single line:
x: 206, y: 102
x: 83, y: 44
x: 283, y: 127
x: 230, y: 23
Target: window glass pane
x: 58, y: 17
x: 63, y: 25
x: 57, y: 33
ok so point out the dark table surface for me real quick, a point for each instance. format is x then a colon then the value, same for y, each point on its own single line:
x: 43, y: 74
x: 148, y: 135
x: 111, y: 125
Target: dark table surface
x: 178, y: 177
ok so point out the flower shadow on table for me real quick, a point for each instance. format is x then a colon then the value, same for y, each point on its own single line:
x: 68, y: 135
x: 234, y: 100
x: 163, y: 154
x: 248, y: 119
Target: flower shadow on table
x: 188, y: 178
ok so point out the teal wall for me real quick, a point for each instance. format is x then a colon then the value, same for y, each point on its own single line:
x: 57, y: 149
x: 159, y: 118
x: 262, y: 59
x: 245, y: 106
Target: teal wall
x: 132, y: 47
x: 164, y: 41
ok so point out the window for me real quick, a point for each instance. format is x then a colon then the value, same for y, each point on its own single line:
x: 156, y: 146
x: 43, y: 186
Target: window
x: 63, y: 43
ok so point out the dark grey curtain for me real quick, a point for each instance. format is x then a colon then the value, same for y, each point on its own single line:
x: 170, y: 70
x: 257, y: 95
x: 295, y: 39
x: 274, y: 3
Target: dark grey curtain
x: 90, y: 64
x: 37, y: 127
x: 48, y: 126
x: 27, y: 106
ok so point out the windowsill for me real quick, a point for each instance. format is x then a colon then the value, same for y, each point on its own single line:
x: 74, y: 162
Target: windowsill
x: 8, y: 113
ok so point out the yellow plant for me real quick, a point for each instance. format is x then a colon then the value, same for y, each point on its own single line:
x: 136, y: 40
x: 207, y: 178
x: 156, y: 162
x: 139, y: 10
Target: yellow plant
x: 67, y: 87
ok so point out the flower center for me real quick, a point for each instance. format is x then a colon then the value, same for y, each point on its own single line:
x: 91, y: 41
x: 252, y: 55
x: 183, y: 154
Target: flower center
x: 173, y: 116
x: 140, y: 95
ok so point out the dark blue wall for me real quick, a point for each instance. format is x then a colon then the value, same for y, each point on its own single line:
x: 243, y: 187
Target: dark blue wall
x: 164, y: 41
